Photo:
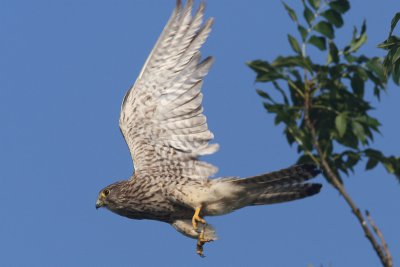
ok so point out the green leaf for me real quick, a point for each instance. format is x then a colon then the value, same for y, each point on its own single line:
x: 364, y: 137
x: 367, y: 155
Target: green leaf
x: 341, y: 124
x: 371, y: 163
x: 340, y: 5
x: 325, y: 28
x: 264, y: 95
x: 333, y: 53
x: 375, y: 65
x: 265, y: 72
x: 289, y: 137
x: 357, y: 84
x: 318, y: 42
x: 314, y: 3
x: 396, y: 74
x: 291, y: 12
x: 363, y: 27
x: 308, y: 15
x: 362, y: 73
x: 369, y: 122
x: 374, y: 153
x: 294, y: 44
x: 358, y: 131
x: 396, y: 56
x: 292, y: 61
x: 389, y: 43
x: 349, y: 57
x: 352, y: 159
x: 357, y: 41
x: 389, y: 167
x: 395, y: 19
x: 273, y: 108
x: 333, y: 17
x: 303, y: 32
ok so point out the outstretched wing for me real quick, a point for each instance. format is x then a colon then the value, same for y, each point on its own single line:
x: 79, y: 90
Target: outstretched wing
x: 162, y: 117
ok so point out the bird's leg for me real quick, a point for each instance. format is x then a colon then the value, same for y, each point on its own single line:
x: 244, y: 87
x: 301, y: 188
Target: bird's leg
x: 196, y: 218
x: 201, y: 241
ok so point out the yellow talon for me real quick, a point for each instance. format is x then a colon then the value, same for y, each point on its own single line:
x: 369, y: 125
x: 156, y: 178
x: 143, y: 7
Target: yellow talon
x: 196, y: 218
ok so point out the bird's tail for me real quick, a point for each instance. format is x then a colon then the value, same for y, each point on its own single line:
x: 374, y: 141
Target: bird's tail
x: 275, y: 187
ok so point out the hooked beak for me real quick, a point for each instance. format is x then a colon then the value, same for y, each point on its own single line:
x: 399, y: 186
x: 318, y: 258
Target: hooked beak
x: 99, y: 204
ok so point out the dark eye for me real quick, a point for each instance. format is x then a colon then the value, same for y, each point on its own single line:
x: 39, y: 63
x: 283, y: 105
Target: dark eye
x: 106, y: 192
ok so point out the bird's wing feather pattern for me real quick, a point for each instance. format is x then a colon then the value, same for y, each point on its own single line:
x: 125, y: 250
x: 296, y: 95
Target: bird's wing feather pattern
x: 162, y: 117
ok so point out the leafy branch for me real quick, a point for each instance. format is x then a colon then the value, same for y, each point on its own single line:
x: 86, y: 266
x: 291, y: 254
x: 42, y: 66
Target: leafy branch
x: 323, y: 106
x: 392, y: 45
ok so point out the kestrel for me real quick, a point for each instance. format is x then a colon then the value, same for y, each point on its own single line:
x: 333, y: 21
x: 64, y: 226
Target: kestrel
x: 164, y: 127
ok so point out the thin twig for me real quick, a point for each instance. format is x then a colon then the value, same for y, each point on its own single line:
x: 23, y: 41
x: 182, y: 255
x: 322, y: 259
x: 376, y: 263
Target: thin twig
x: 380, y: 235
x: 383, y: 253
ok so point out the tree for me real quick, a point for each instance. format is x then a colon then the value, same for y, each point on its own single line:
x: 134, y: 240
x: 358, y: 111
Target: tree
x: 323, y: 106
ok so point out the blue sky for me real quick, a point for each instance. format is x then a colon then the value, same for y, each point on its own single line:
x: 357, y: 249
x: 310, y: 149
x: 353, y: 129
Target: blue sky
x: 64, y: 68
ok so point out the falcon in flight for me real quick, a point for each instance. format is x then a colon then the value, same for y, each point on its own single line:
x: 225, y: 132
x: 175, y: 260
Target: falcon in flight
x: 164, y: 127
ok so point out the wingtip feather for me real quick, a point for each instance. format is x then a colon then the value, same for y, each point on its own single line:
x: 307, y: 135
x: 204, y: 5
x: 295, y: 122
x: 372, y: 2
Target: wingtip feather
x: 178, y: 4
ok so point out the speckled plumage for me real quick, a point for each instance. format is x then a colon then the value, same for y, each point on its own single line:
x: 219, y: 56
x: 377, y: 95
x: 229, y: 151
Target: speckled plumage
x: 164, y: 127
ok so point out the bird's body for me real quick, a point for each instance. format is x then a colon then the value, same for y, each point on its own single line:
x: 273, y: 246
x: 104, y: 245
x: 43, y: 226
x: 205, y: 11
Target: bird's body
x: 164, y: 127
x: 152, y: 198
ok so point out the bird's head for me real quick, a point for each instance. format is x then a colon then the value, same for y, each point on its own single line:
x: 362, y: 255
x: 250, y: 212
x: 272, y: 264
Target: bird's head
x: 108, y: 195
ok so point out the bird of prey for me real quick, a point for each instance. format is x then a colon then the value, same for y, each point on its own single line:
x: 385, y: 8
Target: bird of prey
x: 164, y: 127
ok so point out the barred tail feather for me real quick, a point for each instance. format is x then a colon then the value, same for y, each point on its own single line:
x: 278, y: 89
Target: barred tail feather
x: 293, y: 175
x: 285, y: 194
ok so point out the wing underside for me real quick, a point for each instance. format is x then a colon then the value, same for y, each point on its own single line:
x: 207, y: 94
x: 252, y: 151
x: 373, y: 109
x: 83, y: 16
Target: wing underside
x: 162, y: 117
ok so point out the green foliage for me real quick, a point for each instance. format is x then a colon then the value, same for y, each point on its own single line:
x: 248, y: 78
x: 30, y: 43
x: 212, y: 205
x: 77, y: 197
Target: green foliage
x: 392, y: 59
x: 318, y: 42
x: 333, y: 17
x: 325, y: 28
x: 341, y: 6
x: 330, y: 93
x: 294, y: 44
